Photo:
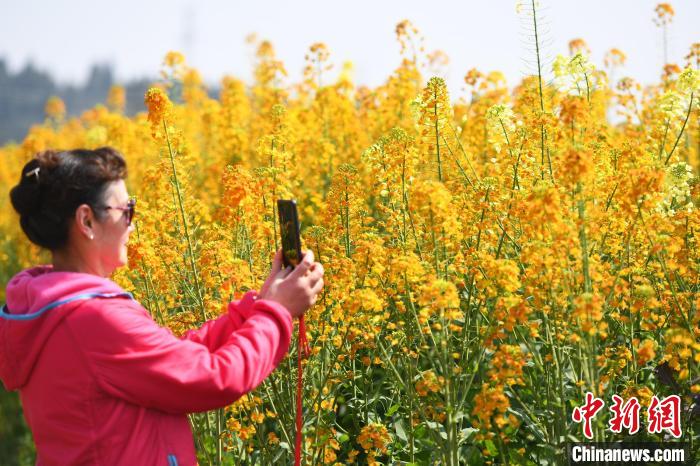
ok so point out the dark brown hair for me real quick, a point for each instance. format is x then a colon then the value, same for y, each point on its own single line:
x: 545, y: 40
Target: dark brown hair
x: 54, y: 184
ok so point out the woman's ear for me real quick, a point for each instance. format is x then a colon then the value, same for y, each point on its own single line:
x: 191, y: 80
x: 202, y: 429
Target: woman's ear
x: 84, y: 220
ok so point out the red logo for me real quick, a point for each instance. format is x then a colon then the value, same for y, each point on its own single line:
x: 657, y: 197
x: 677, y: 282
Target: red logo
x: 624, y: 415
x: 662, y: 415
x: 587, y: 412
x: 665, y: 415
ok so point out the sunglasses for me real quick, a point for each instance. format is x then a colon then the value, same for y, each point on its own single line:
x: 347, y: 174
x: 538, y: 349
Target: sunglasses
x: 129, y: 209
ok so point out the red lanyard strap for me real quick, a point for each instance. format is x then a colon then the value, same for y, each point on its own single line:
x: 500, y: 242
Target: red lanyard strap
x: 303, y: 352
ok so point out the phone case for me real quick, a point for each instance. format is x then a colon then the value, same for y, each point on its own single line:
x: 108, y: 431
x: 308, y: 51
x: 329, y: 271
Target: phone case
x: 289, y: 231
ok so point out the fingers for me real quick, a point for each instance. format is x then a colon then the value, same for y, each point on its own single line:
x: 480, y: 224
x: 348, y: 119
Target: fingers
x: 317, y: 287
x: 303, y: 266
x: 277, y: 261
x: 316, y: 290
x: 284, y: 272
x: 316, y: 282
x: 315, y: 273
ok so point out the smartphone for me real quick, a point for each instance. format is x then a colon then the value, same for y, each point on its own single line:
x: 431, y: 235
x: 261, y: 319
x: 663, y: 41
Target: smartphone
x: 289, y: 229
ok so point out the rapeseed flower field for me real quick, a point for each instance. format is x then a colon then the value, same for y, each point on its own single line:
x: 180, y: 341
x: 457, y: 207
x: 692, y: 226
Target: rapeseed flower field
x: 490, y: 257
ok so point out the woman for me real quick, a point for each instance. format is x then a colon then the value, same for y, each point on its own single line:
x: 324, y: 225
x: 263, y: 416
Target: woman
x: 100, y: 382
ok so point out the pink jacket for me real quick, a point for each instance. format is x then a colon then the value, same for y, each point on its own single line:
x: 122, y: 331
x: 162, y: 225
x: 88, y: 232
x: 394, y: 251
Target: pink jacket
x: 102, y: 384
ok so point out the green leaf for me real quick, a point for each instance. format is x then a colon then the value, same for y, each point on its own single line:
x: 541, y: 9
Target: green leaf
x: 393, y: 409
x: 400, y: 431
x: 491, y: 447
x: 467, y: 432
x: 420, y: 432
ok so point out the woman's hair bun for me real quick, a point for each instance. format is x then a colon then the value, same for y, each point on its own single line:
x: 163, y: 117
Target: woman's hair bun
x: 55, y: 183
x: 26, y: 196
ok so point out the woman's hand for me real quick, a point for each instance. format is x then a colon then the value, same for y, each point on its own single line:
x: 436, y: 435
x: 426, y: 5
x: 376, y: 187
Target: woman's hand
x: 296, y: 289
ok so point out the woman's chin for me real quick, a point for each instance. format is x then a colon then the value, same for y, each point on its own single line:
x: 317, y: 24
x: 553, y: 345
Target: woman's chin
x: 122, y: 261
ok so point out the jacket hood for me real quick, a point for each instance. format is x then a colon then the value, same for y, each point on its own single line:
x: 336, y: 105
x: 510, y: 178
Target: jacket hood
x: 38, y: 299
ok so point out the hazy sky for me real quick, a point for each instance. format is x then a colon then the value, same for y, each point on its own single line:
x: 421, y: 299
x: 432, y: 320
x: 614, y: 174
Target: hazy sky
x: 66, y: 36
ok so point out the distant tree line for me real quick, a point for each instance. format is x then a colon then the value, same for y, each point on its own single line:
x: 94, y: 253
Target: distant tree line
x: 23, y: 96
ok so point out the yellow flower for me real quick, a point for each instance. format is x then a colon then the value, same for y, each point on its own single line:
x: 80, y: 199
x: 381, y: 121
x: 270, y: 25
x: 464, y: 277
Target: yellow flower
x: 428, y: 383
x: 693, y: 56
x: 173, y: 58
x: 645, y: 351
x: 578, y: 46
x: 439, y: 294
x: 664, y: 14
x: 577, y: 165
x: 329, y: 456
x: 257, y: 417
x: 55, y: 108
x: 472, y: 77
x: 116, y: 99
x: 588, y: 310
x: 272, y: 438
x: 158, y: 105
x: 435, y: 114
x: 615, y: 57
x: 375, y: 436
x: 490, y: 401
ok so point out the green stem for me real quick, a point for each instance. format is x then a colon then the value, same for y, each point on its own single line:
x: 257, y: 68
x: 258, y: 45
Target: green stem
x: 685, y: 122
x: 437, y: 137
x: 184, y: 223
